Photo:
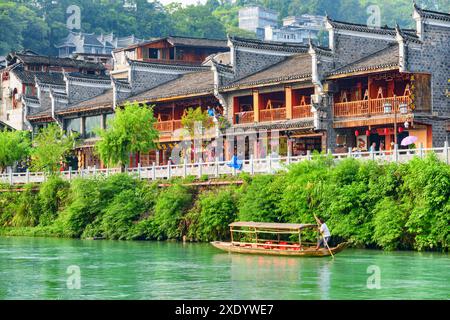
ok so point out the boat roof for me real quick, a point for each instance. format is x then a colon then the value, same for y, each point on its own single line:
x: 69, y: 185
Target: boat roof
x: 272, y: 225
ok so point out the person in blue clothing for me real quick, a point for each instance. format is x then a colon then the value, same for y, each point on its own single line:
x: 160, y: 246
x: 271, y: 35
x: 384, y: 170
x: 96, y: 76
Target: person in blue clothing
x: 235, y: 162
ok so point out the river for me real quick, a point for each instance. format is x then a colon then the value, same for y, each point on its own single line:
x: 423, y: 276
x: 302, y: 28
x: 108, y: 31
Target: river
x: 40, y: 268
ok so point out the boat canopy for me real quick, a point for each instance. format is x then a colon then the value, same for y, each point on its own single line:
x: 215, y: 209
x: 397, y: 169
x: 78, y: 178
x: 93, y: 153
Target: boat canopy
x: 271, y: 225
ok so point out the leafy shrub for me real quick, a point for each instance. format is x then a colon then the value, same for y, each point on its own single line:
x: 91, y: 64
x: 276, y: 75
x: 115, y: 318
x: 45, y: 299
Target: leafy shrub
x: 213, y: 212
x: 52, y: 196
x: 27, y: 209
x: 170, y: 207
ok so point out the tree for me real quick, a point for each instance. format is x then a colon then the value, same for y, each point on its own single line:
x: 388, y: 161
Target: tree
x: 131, y: 130
x: 14, y: 146
x: 193, y: 116
x: 51, y: 147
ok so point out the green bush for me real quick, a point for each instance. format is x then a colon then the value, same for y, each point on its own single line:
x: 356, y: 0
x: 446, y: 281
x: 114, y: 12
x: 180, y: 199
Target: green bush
x: 211, y: 215
x: 27, y: 209
x: 170, y: 208
x: 52, y: 197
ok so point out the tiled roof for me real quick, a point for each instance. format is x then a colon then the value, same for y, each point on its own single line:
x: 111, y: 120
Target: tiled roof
x: 197, y: 42
x: 103, y: 100
x: 187, y: 42
x: 40, y: 114
x: 292, y: 68
x: 387, y: 57
x: 432, y: 14
x: 28, y: 77
x: 269, y: 45
x: 58, y: 62
x: 409, y: 34
x: 91, y: 40
x: 189, y: 83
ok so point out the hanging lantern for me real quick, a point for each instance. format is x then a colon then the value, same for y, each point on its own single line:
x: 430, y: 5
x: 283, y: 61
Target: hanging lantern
x: 356, y: 133
x: 367, y: 132
x: 400, y: 129
x: 386, y: 131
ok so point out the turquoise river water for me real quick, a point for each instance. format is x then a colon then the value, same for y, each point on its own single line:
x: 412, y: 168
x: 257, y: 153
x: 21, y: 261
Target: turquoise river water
x: 39, y: 268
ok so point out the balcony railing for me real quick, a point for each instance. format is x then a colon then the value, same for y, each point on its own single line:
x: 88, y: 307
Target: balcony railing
x: 168, y: 126
x: 301, y: 111
x: 244, y: 117
x: 367, y: 107
x: 272, y: 114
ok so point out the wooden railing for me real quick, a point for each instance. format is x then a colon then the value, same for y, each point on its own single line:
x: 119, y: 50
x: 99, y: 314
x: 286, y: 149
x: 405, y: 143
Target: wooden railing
x: 215, y: 169
x: 367, y: 107
x: 301, y: 111
x: 272, y: 114
x: 244, y: 117
x: 168, y: 126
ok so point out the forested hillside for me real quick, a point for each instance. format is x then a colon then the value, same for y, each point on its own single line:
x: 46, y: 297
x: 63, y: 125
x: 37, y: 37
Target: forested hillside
x: 40, y: 24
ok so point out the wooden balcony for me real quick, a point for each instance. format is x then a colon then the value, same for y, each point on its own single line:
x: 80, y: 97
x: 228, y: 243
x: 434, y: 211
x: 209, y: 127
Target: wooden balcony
x: 244, y: 117
x: 272, y: 114
x: 168, y: 126
x: 302, y: 111
x: 367, y: 107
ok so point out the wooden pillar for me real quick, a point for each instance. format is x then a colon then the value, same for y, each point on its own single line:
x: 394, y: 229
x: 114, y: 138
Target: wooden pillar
x: 255, y: 105
x: 288, y: 98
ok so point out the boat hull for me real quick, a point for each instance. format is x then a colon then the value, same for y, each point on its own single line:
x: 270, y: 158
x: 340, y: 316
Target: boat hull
x: 307, y: 252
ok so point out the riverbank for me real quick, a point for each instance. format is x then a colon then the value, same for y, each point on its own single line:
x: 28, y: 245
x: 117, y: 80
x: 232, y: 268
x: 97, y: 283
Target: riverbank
x: 391, y: 206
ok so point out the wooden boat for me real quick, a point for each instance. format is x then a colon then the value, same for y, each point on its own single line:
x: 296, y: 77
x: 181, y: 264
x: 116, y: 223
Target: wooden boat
x: 258, y: 245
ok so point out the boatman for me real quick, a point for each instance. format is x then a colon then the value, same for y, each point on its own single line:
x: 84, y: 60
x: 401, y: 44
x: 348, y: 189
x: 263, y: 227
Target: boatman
x: 326, y: 235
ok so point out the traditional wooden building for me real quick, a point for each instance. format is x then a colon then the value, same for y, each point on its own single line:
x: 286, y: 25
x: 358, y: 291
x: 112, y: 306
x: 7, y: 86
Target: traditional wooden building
x: 371, y: 85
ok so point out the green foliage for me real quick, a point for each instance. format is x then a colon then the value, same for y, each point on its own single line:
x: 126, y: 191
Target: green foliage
x: 50, y: 147
x: 27, y: 210
x: 131, y: 130
x: 14, y: 146
x: 41, y: 24
x: 52, y: 197
x: 194, y: 117
x: 390, y: 206
x: 211, y: 215
x: 259, y: 201
x: 170, y: 208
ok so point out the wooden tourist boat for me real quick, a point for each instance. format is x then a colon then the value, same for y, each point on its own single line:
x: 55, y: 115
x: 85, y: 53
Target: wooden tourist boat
x: 257, y: 245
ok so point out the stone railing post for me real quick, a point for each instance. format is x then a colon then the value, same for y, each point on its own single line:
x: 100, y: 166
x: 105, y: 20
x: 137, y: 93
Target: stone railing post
x: 70, y: 173
x: 28, y: 175
x: 269, y: 163
x: 139, y: 171
x: 421, y: 150
x: 252, y: 165
x: 169, y: 171
x: 396, y: 153
x: 153, y: 171
x: 10, y: 177
x: 217, y: 167
x: 200, y: 167
x: 308, y: 154
x: 446, y: 153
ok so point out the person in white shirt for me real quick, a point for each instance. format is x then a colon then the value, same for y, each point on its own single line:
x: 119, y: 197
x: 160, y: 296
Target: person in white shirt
x: 326, y: 235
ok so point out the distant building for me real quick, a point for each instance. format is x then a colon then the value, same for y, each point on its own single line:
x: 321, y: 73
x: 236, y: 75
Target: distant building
x: 296, y: 29
x: 255, y: 19
x: 93, y: 48
x: 2, y: 62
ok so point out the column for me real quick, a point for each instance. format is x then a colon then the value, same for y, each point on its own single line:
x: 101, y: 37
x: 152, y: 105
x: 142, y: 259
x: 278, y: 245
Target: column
x: 288, y: 94
x: 256, y: 105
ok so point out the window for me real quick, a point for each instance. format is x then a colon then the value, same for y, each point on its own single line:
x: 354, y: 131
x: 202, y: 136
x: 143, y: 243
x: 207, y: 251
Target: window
x: 90, y: 125
x: 72, y: 125
x: 153, y: 53
x: 109, y: 117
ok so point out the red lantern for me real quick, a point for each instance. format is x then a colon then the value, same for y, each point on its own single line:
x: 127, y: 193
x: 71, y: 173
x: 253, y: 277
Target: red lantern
x: 367, y: 132
x: 386, y: 131
x: 356, y: 133
x: 401, y: 129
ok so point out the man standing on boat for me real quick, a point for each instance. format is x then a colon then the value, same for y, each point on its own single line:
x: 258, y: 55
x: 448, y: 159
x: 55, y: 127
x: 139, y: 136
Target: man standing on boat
x: 326, y: 235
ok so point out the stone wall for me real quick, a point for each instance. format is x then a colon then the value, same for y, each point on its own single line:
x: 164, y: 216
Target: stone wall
x: 145, y: 80
x: 349, y: 49
x: 247, y: 63
x: 80, y: 91
x: 433, y: 57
